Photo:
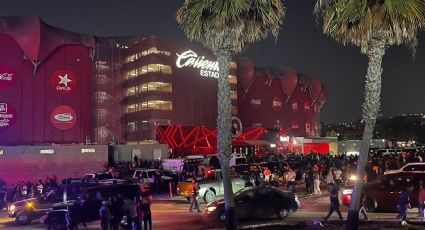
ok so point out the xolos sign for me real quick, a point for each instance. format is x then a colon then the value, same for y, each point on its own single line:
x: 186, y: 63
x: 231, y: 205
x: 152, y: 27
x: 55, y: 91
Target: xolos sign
x: 7, y: 115
x: 7, y: 77
x: 206, y: 68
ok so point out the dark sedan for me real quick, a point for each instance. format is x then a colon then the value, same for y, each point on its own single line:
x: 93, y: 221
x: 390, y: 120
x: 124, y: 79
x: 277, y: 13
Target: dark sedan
x: 256, y: 202
x: 383, y: 193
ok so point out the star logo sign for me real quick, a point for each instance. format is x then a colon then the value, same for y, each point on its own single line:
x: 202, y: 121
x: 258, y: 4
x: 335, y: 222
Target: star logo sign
x: 64, y: 80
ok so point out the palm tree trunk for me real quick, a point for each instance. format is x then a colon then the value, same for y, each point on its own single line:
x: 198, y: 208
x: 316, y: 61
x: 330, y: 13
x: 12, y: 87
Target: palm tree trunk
x: 224, y: 131
x: 371, y: 107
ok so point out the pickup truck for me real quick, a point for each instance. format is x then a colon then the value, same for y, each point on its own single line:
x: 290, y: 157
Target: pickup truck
x: 212, y: 186
x: 101, y: 178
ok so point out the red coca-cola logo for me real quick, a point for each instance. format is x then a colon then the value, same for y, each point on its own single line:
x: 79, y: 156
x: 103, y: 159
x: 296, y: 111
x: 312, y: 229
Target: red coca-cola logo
x: 64, y: 82
x: 7, y: 115
x: 7, y: 77
x: 277, y: 104
x: 63, y: 117
x: 256, y: 101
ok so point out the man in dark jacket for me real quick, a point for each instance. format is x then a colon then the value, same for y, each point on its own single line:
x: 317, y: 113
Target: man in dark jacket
x: 334, y: 205
x: 404, y: 203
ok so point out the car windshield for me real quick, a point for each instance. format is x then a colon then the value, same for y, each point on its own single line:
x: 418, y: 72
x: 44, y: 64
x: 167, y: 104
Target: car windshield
x: 104, y: 176
x: 240, y: 161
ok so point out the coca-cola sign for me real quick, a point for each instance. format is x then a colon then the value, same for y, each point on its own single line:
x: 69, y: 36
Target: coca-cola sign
x: 63, y: 117
x: 7, y: 115
x: 277, y: 104
x: 7, y: 77
x: 64, y: 82
x: 255, y: 101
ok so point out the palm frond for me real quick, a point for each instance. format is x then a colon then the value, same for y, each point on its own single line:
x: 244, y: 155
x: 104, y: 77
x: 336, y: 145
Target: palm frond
x: 235, y: 23
x: 356, y: 21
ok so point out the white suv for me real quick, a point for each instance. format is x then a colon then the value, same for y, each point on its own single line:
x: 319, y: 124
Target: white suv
x: 411, y: 167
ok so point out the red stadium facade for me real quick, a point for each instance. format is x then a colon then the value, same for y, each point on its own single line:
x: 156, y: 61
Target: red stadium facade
x: 54, y: 90
x: 45, y: 86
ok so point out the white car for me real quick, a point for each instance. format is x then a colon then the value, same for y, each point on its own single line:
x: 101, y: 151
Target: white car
x: 411, y: 167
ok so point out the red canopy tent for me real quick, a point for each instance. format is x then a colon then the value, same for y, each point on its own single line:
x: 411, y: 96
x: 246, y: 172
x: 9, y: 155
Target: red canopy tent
x: 38, y: 40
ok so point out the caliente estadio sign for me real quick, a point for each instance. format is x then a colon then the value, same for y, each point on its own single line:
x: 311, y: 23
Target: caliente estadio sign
x: 191, y: 59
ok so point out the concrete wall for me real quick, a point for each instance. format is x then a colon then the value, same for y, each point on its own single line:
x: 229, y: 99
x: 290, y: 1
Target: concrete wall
x: 26, y: 162
x: 144, y: 152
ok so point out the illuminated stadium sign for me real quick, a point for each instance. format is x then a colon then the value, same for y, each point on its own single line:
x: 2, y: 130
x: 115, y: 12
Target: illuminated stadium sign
x: 206, y: 68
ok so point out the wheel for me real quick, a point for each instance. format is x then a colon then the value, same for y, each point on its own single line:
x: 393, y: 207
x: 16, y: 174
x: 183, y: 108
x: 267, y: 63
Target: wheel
x: 188, y: 199
x: 209, y: 196
x: 222, y: 217
x: 282, y: 213
x: 23, y: 218
x: 56, y: 225
x: 371, y: 204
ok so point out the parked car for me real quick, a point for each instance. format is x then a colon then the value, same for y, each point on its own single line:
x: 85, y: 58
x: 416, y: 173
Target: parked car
x: 25, y: 211
x: 86, y: 207
x: 410, y: 167
x: 145, y: 176
x: 256, y: 202
x: 102, y: 178
x: 212, y: 186
x: 383, y: 193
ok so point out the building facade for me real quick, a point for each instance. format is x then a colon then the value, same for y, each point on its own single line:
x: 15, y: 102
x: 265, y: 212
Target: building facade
x: 168, y: 83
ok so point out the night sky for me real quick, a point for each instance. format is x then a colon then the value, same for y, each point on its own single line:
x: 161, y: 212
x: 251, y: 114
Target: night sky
x: 300, y: 45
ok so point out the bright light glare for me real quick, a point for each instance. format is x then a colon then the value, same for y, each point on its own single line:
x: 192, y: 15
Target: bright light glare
x: 211, y: 208
x: 273, y: 145
x: 347, y: 191
x: 353, y: 177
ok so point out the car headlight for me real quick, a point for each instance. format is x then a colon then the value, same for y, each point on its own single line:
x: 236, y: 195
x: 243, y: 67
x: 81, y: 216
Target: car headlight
x: 353, y: 177
x: 211, y: 208
x: 30, y: 205
x: 12, y: 207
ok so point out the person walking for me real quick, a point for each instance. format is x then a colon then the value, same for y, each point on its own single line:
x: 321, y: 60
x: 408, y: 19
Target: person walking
x: 317, y: 190
x: 334, y: 202
x: 195, y: 192
x: 421, y: 199
x: 105, y: 216
x: 267, y: 174
x: 117, y: 212
x: 290, y: 178
x: 309, y: 179
x: 404, y: 203
x: 3, y: 193
x: 145, y: 208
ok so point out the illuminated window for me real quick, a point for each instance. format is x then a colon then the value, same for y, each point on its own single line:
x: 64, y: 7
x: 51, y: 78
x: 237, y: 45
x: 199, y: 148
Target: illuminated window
x: 233, y: 80
x: 132, y: 108
x: 156, y: 104
x: 132, y: 58
x: 1, y: 152
x: 47, y: 151
x: 88, y: 150
x: 233, y: 95
x: 156, y: 86
x: 132, y: 90
x: 132, y: 126
x: 132, y: 74
x: 155, y: 68
x: 154, y: 50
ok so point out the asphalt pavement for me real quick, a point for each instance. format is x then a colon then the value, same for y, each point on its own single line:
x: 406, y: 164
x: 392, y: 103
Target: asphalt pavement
x: 173, y: 214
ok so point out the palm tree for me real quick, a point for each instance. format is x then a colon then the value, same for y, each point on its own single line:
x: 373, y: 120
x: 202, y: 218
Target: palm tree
x: 226, y: 27
x: 373, y: 25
